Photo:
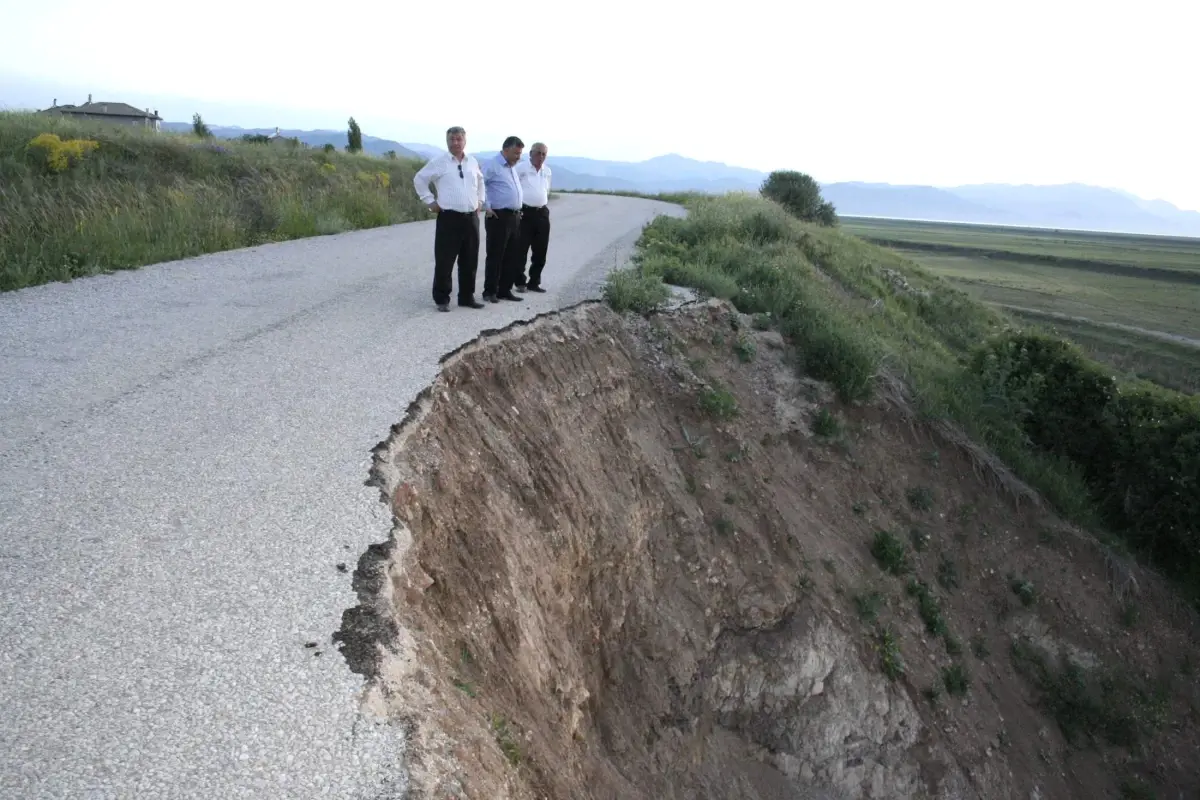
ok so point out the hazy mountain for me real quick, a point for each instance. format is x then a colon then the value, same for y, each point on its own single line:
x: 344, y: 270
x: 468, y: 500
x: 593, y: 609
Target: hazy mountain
x: 886, y: 200
x: 371, y: 144
x: 1072, y: 205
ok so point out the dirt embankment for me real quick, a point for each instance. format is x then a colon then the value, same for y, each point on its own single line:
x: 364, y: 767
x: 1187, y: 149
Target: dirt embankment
x: 624, y: 566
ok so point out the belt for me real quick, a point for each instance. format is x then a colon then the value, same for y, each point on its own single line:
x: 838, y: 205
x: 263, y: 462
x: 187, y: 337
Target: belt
x: 459, y: 213
x: 532, y: 208
x: 507, y: 210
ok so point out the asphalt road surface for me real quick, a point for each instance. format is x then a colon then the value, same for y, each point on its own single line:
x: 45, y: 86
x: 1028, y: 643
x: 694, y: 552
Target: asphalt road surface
x: 183, y: 450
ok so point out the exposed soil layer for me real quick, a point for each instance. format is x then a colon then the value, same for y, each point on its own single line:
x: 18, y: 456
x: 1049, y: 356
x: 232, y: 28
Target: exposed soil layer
x: 624, y: 566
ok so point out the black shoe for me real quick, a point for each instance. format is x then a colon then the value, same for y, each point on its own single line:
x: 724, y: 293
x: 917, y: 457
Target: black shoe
x: 520, y: 287
x: 537, y: 289
x: 443, y: 306
x: 472, y: 303
x: 511, y: 296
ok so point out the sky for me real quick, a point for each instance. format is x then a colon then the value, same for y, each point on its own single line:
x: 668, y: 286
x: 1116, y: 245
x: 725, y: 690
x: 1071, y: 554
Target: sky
x: 917, y: 92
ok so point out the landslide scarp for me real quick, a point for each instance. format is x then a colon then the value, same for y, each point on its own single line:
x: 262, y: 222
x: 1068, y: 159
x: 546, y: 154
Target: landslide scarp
x: 642, y: 558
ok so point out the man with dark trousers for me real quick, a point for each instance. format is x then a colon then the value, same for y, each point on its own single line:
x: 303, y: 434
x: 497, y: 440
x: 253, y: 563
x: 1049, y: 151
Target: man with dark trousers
x: 535, y: 216
x: 502, y: 210
x: 460, y: 195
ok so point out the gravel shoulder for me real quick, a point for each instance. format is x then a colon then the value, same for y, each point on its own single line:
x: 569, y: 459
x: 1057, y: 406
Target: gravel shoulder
x: 183, y: 450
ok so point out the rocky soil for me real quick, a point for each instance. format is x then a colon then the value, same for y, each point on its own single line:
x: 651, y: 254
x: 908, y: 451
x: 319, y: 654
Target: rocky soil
x: 642, y: 558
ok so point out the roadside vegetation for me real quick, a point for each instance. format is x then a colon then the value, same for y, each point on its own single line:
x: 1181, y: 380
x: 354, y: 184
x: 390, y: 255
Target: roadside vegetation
x: 1117, y: 455
x: 80, y: 198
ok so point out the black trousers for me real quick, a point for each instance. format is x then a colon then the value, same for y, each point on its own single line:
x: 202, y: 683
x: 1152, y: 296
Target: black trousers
x: 503, y: 252
x: 455, y: 236
x: 535, y: 235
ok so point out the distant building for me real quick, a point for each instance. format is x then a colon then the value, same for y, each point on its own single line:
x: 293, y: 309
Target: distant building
x: 119, y: 113
x: 279, y: 138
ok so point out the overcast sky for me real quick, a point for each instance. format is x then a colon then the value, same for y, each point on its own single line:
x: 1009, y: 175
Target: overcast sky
x: 938, y: 93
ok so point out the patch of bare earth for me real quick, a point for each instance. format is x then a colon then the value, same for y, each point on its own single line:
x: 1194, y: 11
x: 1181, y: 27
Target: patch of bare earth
x: 605, y: 582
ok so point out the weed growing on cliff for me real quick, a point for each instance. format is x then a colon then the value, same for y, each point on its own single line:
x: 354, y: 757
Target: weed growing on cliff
x: 947, y: 574
x: 888, y: 647
x: 956, y: 679
x: 920, y: 498
x: 719, y: 402
x: 506, y: 739
x: 890, y: 552
x: 1022, y: 589
x: 868, y: 605
x: 928, y: 606
x: 979, y: 647
x: 746, y: 349
x: 826, y: 425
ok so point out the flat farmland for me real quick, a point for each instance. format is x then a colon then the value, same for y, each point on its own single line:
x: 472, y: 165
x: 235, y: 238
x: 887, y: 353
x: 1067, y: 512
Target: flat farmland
x: 1130, y: 301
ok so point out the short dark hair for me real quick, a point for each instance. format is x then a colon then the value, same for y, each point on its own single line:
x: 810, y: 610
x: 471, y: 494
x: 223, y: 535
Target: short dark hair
x: 455, y: 129
x: 513, y: 141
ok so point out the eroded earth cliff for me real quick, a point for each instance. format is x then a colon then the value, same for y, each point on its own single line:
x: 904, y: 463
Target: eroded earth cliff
x: 641, y: 558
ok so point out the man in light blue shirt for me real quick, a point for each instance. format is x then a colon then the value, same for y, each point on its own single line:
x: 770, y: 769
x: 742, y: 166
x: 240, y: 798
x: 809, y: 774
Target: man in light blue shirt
x: 502, y: 207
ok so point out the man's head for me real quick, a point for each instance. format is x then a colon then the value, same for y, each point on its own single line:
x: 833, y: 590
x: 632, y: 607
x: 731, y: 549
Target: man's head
x: 537, y: 155
x: 456, y: 141
x: 512, y: 150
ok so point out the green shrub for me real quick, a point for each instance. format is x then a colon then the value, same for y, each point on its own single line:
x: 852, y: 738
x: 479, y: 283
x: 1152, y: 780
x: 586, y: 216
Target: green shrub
x: 1137, y: 447
x: 800, y: 195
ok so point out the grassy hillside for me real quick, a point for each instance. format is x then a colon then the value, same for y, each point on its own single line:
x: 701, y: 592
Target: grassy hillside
x: 99, y: 198
x: 1113, y: 455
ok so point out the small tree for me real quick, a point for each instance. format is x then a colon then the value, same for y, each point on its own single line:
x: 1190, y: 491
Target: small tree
x: 354, y: 137
x: 390, y: 155
x: 329, y: 148
x: 199, y: 128
x: 800, y: 195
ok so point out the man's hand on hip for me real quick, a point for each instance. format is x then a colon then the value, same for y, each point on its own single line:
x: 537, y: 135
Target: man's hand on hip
x: 434, y: 207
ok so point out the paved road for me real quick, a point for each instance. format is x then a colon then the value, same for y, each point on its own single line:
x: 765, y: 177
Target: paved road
x: 182, y: 457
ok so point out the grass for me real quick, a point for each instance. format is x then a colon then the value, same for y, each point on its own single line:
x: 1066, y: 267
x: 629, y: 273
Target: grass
x: 1051, y: 246
x: 137, y: 197
x: 1094, y: 289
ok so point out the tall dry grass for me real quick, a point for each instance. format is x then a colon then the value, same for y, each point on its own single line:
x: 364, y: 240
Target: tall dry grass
x: 137, y: 197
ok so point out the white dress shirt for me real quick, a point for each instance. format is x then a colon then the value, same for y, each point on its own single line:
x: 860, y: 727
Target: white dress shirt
x: 535, y: 184
x: 459, y: 184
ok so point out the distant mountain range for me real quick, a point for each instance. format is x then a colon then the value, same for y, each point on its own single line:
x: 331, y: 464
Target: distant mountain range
x: 1076, y: 206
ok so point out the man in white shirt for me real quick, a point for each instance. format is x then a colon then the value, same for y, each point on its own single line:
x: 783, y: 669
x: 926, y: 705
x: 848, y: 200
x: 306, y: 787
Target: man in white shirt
x: 459, y: 184
x: 535, y: 216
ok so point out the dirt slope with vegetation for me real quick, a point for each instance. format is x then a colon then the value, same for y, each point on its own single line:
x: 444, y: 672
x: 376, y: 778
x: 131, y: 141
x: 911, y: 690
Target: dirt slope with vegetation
x: 840, y: 531
x: 79, y: 198
x: 642, y: 557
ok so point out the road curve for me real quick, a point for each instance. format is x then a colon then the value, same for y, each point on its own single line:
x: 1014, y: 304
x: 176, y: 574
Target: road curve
x: 183, y: 450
